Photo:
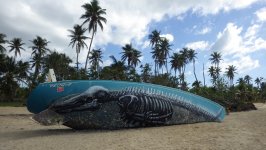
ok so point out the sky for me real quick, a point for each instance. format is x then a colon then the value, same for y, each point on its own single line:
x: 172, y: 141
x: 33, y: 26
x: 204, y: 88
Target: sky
x: 235, y: 28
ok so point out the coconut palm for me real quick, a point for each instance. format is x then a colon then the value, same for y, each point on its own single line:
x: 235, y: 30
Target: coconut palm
x: 241, y: 81
x: 155, y: 38
x: 247, y: 79
x: 127, y: 53
x: 95, y: 60
x: 165, y: 47
x: 36, y: 62
x: 116, y: 71
x: 191, y: 57
x: 2, y: 42
x: 145, y: 72
x: 212, y: 74
x: 258, y: 81
x: 59, y: 62
x: 177, y: 62
x: 40, y: 46
x: 135, y: 58
x: 23, y: 71
x: 230, y: 73
x: 39, y: 49
x: 77, y: 39
x: 131, y: 55
x: 156, y: 55
x: 216, y: 58
x: 93, y: 16
x: 8, y: 83
x: 196, y: 84
x: 16, y: 45
x: 174, y: 62
x: 13, y: 72
x: 184, y: 53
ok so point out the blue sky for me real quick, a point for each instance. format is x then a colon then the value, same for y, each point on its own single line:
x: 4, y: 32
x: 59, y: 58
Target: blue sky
x: 235, y: 28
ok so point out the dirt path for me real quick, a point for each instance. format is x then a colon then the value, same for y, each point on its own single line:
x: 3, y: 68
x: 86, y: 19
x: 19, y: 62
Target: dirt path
x: 242, y: 130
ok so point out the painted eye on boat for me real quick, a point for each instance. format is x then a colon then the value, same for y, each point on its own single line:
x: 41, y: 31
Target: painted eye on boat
x: 89, y: 99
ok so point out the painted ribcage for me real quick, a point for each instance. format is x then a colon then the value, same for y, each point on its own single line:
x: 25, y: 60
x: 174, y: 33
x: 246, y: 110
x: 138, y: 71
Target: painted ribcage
x: 145, y: 108
x: 154, y: 105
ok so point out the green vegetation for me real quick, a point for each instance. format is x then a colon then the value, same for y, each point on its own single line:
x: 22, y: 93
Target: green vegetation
x: 18, y: 78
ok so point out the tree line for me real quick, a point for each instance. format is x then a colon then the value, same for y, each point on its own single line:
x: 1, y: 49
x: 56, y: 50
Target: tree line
x: 19, y: 77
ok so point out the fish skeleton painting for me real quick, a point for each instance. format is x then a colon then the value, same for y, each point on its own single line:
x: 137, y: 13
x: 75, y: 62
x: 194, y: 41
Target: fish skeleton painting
x: 100, y: 107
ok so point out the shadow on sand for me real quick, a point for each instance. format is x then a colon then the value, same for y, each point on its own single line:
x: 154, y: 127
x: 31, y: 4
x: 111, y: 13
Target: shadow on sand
x: 27, y: 134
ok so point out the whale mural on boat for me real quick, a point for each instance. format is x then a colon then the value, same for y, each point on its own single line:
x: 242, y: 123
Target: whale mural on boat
x: 117, y: 104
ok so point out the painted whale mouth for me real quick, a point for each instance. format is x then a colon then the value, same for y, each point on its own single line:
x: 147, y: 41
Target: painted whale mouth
x: 48, y: 117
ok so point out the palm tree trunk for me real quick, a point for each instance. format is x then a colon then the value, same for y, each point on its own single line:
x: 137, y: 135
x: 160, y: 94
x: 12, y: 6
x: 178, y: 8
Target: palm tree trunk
x: 166, y: 67
x: 93, y: 32
x: 194, y: 70
x: 203, y: 75
x: 77, y: 61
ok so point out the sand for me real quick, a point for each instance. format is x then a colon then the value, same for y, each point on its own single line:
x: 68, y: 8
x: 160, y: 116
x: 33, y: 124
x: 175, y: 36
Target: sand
x: 241, y: 130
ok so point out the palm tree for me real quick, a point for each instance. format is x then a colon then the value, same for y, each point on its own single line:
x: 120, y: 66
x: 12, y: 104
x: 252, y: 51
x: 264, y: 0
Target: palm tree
x: 258, y: 81
x: 23, y: 71
x: 165, y: 47
x: 135, y: 58
x: 216, y: 58
x: 203, y: 74
x: 2, y: 42
x: 131, y: 55
x: 184, y: 54
x: 212, y: 74
x: 230, y: 73
x: 13, y: 72
x: 191, y: 57
x: 247, y: 79
x: 93, y: 16
x: 59, y: 62
x: 39, y: 49
x: 77, y: 39
x: 196, y: 84
x: 116, y: 71
x: 95, y: 59
x: 37, y: 62
x: 40, y: 46
x: 174, y: 62
x: 154, y: 41
x: 156, y: 56
x: 145, y: 72
x: 16, y: 45
x: 241, y: 81
x: 127, y: 53
x: 177, y: 63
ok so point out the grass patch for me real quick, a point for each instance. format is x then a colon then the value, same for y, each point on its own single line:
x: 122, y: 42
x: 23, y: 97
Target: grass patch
x: 12, y: 104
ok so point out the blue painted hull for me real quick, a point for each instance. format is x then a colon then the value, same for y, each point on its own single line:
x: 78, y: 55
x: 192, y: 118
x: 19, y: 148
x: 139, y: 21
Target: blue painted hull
x: 47, y: 93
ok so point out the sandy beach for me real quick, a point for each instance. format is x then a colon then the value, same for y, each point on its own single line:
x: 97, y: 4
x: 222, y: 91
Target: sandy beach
x: 241, y: 130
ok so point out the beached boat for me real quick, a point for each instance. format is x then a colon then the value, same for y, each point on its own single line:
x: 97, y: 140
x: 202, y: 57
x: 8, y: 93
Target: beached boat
x: 85, y: 104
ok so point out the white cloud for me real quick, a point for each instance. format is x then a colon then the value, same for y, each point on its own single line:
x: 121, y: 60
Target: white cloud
x: 107, y: 62
x: 233, y: 42
x: 145, y: 44
x: 229, y: 41
x: 243, y: 64
x: 236, y: 45
x: 127, y: 21
x: 261, y: 14
x: 204, y: 31
x: 199, y: 45
x: 168, y: 36
x: 141, y: 58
